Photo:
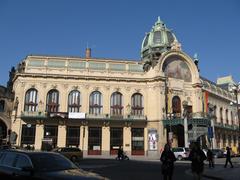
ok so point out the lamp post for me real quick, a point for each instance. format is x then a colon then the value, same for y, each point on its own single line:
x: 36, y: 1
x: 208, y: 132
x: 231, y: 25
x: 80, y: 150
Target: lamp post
x: 235, y: 88
x: 185, y: 116
x: 211, y: 129
x: 170, y: 133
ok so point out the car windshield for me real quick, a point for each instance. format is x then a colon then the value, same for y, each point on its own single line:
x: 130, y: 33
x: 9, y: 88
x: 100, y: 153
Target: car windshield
x: 50, y: 162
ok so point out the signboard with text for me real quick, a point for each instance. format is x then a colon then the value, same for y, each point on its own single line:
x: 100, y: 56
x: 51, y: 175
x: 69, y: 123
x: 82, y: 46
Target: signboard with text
x: 76, y: 115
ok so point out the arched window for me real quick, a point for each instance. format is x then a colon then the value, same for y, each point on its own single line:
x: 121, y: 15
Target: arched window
x: 137, y: 104
x: 2, y: 104
x: 176, y: 106
x: 74, y: 103
x: 31, y: 99
x: 52, y: 101
x: 95, y: 103
x: 221, y: 115
x: 116, y: 103
x: 226, y: 112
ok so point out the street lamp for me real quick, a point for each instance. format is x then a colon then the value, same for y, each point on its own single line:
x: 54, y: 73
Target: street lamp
x: 170, y: 133
x: 235, y: 88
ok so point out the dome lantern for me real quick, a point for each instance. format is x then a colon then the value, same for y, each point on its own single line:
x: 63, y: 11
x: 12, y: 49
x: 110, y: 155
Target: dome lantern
x: 157, y: 41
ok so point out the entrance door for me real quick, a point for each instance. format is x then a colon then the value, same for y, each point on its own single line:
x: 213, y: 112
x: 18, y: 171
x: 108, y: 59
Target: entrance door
x: 94, y: 140
x: 137, y: 141
x: 116, y: 139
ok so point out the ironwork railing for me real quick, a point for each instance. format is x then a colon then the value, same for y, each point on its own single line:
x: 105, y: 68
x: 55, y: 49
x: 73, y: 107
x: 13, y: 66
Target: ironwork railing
x: 33, y: 114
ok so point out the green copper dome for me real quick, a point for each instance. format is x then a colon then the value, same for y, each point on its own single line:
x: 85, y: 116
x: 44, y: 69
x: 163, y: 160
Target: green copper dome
x: 158, y: 40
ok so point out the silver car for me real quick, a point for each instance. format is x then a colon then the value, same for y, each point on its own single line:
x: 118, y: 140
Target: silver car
x: 181, y: 152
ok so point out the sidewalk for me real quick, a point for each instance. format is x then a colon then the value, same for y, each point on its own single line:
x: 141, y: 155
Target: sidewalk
x: 221, y: 173
x: 217, y: 173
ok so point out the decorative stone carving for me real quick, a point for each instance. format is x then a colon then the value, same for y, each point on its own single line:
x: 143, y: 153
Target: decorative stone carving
x: 75, y: 87
x: 127, y: 88
x: 137, y: 90
x: 96, y: 88
x: 22, y: 84
x: 176, y: 45
x: 65, y: 86
x: 107, y: 87
x: 44, y: 85
x: 54, y: 86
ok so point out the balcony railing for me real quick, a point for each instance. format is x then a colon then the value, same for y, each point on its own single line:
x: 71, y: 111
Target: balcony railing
x: 137, y: 117
x: 96, y: 116
x: 226, y: 126
x: 199, y: 115
x: 116, y: 117
x: 64, y: 115
x: 33, y: 114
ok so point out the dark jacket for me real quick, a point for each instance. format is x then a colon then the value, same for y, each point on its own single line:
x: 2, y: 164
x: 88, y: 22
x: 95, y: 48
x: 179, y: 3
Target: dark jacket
x: 167, y: 159
x: 197, y: 157
x: 209, y: 155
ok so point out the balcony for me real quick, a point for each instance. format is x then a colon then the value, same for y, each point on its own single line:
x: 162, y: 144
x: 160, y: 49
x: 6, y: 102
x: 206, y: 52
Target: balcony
x: 199, y: 115
x: 116, y: 117
x: 97, y: 116
x: 136, y: 117
x: 35, y: 115
x: 226, y: 126
x: 198, y: 118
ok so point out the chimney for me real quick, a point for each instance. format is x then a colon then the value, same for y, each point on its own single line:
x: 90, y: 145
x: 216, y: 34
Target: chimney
x: 88, y: 53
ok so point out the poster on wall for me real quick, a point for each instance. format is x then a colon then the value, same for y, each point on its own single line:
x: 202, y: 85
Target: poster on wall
x: 152, y: 139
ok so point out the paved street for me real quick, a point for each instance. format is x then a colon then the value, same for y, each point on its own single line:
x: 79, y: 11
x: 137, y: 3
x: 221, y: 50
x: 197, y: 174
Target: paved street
x: 142, y: 169
x: 139, y: 170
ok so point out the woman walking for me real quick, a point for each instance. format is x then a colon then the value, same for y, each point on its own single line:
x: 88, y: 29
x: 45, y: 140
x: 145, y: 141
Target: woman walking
x: 197, y: 157
x: 167, y: 159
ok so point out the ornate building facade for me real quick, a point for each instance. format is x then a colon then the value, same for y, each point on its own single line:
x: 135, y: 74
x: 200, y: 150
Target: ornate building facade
x: 102, y: 104
x: 6, y: 107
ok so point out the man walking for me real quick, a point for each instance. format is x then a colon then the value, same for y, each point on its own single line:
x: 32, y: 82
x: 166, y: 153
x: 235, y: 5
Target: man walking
x: 210, y: 158
x: 228, y: 158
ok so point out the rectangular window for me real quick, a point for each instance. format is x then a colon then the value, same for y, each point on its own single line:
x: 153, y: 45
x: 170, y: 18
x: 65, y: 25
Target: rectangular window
x: 137, y: 141
x: 28, y: 134
x: 94, y: 140
x: 73, y: 136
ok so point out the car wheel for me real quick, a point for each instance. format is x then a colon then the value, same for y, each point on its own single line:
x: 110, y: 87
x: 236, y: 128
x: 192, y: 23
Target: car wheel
x: 74, y: 158
x: 179, y: 157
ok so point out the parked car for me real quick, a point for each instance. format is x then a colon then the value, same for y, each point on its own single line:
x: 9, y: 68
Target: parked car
x: 16, y: 164
x: 218, y: 153
x: 181, y: 152
x: 72, y: 153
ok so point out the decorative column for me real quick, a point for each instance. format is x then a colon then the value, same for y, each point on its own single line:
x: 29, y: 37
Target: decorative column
x: 61, y: 139
x: 39, y: 136
x: 105, y: 141
x: 127, y: 140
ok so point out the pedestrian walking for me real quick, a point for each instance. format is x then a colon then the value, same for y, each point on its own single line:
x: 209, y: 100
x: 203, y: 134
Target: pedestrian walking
x: 167, y: 158
x: 228, y: 158
x: 197, y: 157
x: 120, y: 153
x: 210, y: 158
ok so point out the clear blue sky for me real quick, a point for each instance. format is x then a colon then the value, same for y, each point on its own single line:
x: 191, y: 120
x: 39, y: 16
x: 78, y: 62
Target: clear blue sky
x: 115, y: 29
